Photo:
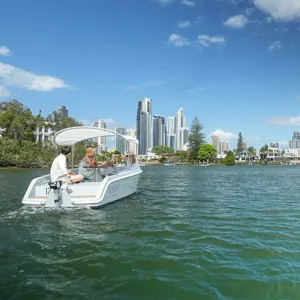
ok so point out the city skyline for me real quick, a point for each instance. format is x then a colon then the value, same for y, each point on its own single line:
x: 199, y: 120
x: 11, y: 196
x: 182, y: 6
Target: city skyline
x: 233, y: 64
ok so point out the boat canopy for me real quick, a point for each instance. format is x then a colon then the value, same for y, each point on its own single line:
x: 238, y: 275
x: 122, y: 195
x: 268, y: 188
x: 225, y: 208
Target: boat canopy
x: 72, y: 135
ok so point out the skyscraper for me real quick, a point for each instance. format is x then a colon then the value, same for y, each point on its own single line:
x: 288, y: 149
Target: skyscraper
x: 171, y: 133
x: 179, y: 125
x: 159, y: 131
x: 215, y: 141
x: 101, y: 141
x: 224, y: 147
x: 63, y: 110
x: 144, y: 125
x: 120, y: 142
x: 295, y: 142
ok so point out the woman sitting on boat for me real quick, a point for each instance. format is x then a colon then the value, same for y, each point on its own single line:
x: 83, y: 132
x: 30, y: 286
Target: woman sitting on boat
x: 88, y: 165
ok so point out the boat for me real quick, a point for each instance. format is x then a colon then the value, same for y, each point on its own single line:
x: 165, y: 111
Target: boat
x: 112, y: 183
x: 203, y: 165
x: 167, y: 164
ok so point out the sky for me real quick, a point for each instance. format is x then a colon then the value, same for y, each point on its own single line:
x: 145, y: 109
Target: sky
x: 234, y: 64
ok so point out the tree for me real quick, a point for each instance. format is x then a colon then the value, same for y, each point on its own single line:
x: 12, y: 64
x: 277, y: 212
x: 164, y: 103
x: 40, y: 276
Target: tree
x: 229, y: 160
x: 251, y: 152
x: 162, y: 150
x: 207, y: 152
x: 18, y: 121
x: 240, y: 144
x: 17, y: 145
x: 182, y: 154
x: 263, y: 153
x: 196, y: 138
x: 58, y: 121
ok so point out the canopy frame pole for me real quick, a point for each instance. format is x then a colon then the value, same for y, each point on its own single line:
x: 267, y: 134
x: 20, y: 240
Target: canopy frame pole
x: 73, y: 146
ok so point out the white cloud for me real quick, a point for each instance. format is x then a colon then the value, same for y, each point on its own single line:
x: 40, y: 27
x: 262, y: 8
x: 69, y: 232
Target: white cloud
x: 224, y: 136
x: 238, y: 21
x: 178, y: 40
x: 164, y: 2
x: 200, y: 19
x: 249, y: 11
x: 4, y: 51
x: 197, y: 89
x: 269, y: 19
x: 206, y: 40
x: 13, y: 76
x: 111, y: 123
x: 233, y: 2
x: 4, y: 92
x: 275, y: 46
x: 184, y: 24
x: 280, y: 10
x: 155, y: 82
x: 188, y: 2
x: 287, y: 121
x: 281, y: 30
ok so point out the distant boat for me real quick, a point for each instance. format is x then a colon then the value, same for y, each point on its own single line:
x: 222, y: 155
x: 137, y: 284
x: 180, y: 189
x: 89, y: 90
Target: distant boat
x: 167, y: 164
x: 203, y: 165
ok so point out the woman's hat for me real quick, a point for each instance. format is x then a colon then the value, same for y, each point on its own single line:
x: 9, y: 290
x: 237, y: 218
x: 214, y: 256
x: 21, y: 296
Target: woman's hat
x: 89, y: 152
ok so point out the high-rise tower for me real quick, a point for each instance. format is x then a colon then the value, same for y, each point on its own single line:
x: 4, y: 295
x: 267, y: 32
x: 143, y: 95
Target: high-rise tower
x: 179, y: 126
x: 100, y: 140
x: 144, y: 125
x: 159, y: 131
x: 63, y: 110
x: 120, y: 142
x: 171, y: 133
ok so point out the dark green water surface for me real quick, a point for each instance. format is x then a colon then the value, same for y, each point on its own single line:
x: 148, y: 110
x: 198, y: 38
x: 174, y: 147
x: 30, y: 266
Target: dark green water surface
x: 189, y: 233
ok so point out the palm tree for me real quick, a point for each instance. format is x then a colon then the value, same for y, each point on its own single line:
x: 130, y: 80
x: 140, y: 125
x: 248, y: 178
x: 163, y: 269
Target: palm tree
x: 263, y: 152
x: 252, y: 152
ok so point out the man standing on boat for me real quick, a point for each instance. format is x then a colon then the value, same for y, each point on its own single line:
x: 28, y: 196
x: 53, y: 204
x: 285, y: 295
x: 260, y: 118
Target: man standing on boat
x: 59, y: 171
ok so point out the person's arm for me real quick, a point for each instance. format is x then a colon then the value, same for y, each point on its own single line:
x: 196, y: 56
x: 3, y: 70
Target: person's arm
x: 104, y: 164
x: 92, y: 163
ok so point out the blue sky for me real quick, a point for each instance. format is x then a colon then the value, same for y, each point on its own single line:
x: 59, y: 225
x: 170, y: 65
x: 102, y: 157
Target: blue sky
x: 233, y: 63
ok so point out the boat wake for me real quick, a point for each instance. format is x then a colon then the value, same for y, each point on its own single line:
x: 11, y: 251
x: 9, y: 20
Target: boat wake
x: 27, y: 212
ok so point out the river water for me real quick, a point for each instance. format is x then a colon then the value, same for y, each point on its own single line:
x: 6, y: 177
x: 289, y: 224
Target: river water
x: 189, y: 233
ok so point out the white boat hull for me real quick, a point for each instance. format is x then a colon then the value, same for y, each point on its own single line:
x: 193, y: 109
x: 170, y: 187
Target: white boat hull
x: 93, y: 194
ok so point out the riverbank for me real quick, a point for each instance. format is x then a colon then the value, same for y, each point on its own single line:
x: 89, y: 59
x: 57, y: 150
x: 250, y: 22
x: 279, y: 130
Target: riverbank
x: 156, y: 163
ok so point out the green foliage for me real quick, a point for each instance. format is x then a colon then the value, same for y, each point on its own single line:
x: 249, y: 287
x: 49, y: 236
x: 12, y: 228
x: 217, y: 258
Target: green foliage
x: 240, y: 144
x: 207, y: 152
x: 163, y: 159
x: 196, y: 138
x: 263, y: 153
x: 182, y: 154
x: 229, y: 160
x: 252, y: 151
x: 18, y: 121
x: 159, y: 150
x: 17, y: 145
x: 25, y: 153
x: 60, y: 122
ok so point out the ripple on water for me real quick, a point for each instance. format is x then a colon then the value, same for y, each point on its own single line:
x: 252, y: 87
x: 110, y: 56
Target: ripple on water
x: 189, y: 233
